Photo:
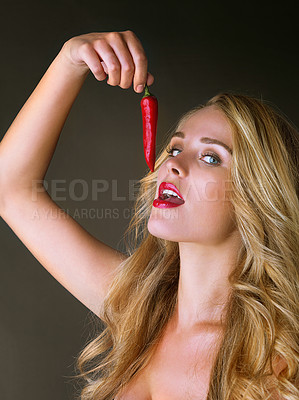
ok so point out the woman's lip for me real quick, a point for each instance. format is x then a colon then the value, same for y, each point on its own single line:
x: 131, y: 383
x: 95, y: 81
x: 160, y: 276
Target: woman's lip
x: 170, y: 202
x: 169, y: 186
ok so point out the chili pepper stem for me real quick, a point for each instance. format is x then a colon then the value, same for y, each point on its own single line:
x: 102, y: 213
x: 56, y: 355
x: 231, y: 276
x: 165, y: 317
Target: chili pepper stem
x: 146, y: 92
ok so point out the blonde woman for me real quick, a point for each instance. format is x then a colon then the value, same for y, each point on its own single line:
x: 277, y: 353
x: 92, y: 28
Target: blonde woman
x: 205, y: 302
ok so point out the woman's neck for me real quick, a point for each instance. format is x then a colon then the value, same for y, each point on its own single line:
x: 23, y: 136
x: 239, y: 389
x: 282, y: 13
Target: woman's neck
x: 204, y: 288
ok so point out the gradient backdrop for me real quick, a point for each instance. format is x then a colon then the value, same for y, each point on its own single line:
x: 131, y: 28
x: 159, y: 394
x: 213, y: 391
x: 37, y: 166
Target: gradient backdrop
x: 195, y: 49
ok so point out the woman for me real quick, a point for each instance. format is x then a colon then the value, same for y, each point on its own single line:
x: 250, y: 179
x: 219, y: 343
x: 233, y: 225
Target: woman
x: 205, y: 303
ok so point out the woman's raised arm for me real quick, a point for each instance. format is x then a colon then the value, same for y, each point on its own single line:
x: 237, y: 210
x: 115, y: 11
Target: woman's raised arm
x: 80, y: 262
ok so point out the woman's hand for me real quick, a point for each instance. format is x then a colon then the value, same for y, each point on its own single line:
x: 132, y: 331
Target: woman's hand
x: 119, y: 55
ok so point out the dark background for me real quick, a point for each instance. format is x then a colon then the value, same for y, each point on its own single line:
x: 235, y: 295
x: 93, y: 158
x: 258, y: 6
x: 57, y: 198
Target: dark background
x: 195, y: 49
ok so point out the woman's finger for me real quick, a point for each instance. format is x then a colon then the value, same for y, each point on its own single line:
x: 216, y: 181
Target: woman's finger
x: 91, y: 59
x: 107, y: 54
x: 140, y: 61
x: 150, y: 79
x: 104, y: 67
x: 125, y: 58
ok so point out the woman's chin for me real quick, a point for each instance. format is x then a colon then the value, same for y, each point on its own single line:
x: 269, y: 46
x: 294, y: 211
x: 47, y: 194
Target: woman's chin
x: 159, y: 230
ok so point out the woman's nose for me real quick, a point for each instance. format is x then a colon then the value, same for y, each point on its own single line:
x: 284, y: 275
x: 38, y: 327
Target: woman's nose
x: 176, y: 166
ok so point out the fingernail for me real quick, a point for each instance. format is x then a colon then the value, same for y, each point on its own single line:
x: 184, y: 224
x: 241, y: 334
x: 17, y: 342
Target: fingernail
x: 139, y: 88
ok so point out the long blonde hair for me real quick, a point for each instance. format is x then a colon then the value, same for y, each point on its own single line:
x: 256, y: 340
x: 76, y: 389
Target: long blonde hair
x: 263, y: 312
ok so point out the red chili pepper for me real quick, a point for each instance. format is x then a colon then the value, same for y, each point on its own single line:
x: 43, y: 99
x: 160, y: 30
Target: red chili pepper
x: 149, y: 107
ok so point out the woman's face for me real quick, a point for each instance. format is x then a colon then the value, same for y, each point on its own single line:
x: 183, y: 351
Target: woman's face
x: 200, y: 172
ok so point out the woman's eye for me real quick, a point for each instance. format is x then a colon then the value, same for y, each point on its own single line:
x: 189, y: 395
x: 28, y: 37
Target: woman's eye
x: 175, y: 152
x: 172, y: 151
x: 212, y: 158
x: 215, y: 159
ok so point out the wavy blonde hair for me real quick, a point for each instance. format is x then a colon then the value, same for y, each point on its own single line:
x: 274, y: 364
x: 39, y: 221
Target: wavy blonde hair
x: 262, y: 322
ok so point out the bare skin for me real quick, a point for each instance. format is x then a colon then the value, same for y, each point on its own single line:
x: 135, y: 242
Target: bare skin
x: 190, y: 340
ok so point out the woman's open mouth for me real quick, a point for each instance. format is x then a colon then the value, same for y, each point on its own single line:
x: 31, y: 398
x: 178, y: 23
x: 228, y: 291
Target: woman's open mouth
x: 169, y: 196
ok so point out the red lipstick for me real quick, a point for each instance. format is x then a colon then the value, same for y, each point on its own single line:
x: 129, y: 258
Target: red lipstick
x: 168, y: 199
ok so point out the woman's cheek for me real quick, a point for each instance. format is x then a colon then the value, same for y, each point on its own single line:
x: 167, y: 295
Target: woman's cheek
x: 211, y: 192
x: 218, y: 190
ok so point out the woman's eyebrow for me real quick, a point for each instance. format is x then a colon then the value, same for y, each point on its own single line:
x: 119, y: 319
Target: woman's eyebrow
x: 205, y: 139
x: 178, y: 134
x: 216, y: 141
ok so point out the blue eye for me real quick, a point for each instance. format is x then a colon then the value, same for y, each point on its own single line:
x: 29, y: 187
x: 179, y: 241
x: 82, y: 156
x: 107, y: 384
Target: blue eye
x: 213, y: 156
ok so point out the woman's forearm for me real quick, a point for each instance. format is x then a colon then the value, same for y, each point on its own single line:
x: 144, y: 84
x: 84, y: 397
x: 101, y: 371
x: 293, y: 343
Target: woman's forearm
x: 28, y: 146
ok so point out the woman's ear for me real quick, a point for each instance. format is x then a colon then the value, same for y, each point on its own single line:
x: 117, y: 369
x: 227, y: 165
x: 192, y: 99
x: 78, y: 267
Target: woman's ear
x: 279, y: 364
